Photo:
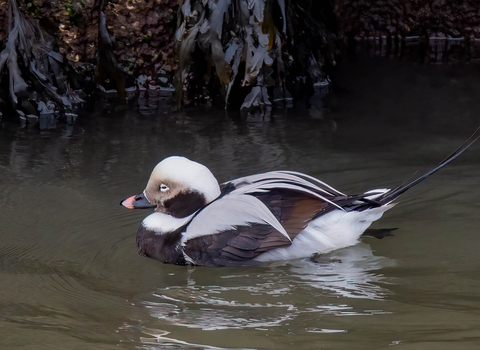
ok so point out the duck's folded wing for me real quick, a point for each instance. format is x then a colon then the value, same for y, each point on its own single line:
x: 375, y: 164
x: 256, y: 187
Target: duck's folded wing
x: 294, y: 198
x: 234, y: 247
x: 293, y: 209
x: 232, y: 231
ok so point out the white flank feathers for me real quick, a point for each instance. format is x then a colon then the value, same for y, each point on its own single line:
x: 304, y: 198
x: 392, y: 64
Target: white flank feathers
x: 335, y: 230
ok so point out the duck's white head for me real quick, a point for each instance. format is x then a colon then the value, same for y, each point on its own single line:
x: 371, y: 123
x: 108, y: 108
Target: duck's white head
x: 178, y: 187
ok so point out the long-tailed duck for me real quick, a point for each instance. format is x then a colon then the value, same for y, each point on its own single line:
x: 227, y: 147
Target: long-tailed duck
x: 277, y: 215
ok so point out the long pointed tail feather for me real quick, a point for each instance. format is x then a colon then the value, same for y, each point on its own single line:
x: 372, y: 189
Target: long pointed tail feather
x: 398, y: 191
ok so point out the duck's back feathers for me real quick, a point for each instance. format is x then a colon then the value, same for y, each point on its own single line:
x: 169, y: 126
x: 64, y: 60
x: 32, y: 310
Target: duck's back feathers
x: 255, y: 214
x: 288, y: 181
x: 286, y: 177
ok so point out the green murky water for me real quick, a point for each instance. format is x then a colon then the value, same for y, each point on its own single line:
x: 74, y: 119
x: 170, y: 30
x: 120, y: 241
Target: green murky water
x: 70, y: 276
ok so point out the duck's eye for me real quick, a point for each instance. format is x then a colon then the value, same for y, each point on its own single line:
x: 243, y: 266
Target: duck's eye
x: 163, y: 187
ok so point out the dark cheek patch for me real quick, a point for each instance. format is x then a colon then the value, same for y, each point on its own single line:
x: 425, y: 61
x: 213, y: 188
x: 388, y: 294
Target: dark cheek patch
x: 184, y: 204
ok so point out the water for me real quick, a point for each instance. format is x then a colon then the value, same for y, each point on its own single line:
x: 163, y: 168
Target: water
x: 71, y: 277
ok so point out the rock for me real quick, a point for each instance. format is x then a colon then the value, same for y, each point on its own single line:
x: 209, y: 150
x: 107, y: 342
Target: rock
x: 70, y: 117
x: 47, y: 121
x: 32, y: 119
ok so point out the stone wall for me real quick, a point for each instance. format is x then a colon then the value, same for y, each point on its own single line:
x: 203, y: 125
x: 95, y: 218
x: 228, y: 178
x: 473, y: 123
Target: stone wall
x: 366, y: 18
x: 434, y: 24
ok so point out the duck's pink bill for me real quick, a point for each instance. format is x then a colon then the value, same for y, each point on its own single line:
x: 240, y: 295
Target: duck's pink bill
x: 128, y: 203
x: 138, y: 201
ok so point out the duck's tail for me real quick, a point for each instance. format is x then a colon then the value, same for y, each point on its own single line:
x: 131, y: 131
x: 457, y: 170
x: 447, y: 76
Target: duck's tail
x: 393, y: 194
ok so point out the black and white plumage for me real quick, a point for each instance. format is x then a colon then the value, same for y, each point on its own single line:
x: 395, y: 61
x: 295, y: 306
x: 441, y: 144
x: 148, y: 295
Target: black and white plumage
x: 276, y: 215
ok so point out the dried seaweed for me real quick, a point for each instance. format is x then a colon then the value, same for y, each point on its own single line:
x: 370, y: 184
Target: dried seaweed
x: 34, y: 68
x: 270, y: 43
x: 107, y: 66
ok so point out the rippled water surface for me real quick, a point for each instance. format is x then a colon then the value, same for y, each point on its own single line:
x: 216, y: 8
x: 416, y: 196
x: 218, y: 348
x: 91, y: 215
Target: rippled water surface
x: 70, y: 276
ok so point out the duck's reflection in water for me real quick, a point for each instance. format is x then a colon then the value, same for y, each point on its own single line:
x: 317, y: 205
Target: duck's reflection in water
x: 349, y: 272
x: 272, y: 296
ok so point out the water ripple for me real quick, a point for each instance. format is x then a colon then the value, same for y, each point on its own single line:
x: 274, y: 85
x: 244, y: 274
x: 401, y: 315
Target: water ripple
x: 275, y: 295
